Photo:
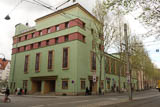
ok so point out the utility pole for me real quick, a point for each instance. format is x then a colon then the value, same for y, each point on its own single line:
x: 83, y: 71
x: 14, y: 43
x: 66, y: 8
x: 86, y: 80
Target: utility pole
x: 128, y: 63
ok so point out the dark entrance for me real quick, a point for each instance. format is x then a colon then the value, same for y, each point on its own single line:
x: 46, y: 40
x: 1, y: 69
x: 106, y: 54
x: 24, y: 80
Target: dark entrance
x: 90, y: 85
x: 52, y: 86
x: 38, y: 86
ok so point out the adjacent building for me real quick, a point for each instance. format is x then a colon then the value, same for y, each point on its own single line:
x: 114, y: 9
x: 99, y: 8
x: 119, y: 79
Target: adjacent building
x: 56, y: 55
x: 4, y: 70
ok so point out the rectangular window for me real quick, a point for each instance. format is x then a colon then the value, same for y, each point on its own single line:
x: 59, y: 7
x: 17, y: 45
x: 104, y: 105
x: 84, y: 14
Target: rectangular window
x: 25, y: 37
x: 25, y: 84
x: 37, y: 64
x: 26, y: 64
x: 92, y: 31
x: 48, y: 30
x: 84, y: 25
x: 57, y: 27
x: 39, y: 44
x: 31, y: 46
x: 83, y: 84
x: 47, y: 42
x: 19, y: 39
x: 93, y: 61
x: 65, y: 58
x: 66, y: 38
x: 64, y: 84
x: 83, y: 38
x: 56, y: 40
x: 40, y: 33
x: 67, y: 25
x: 24, y: 48
x: 50, y: 59
x: 33, y: 35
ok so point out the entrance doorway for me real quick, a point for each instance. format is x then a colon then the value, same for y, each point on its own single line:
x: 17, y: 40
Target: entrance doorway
x: 38, y: 86
x: 93, y: 86
x: 52, y: 86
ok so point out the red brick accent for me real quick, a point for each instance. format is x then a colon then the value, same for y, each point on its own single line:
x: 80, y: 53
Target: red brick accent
x: 76, y: 22
x: 28, y: 47
x: 52, y: 41
x: 80, y: 37
x: 22, y: 38
x: 35, y: 45
x: 53, y: 29
x: 29, y: 36
x: 36, y: 34
x: 61, y: 39
x: 44, y: 31
x: 21, y: 49
x: 43, y: 43
x: 14, y: 50
x: 73, y: 36
x: 79, y: 22
x: 62, y: 26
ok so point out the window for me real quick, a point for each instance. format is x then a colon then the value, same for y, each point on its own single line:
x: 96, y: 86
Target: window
x: 66, y: 38
x: 93, y: 61
x: 26, y: 63
x: 47, y: 42
x: 39, y: 44
x: 18, y: 49
x: 19, y: 39
x: 25, y: 37
x: 40, y: 33
x: 57, y: 27
x: 67, y: 25
x: 83, y: 38
x: 25, y: 84
x: 56, y: 40
x: 64, y: 84
x: 48, y: 30
x: 83, y: 25
x: 50, y: 59
x: 31, y: 46
x: 33, y: 35
x: 37, y: 64
x: 24, y: 48
x: 65, y: 57
x: 108, y: 84
x: 83, y: 84
x: 92, y: 31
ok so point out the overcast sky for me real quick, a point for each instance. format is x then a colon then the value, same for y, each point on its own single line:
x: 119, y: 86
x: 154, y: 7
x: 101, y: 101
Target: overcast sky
x: 28, y: 12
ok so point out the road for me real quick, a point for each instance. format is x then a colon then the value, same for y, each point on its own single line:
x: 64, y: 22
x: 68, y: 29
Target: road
x: 146, y: 102
x: 80, y: 101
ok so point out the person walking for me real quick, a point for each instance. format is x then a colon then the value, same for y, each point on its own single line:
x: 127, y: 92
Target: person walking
x: 7, y: 93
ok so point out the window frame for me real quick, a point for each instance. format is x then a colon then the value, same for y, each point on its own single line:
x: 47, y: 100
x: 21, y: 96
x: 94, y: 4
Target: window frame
x: 26, y: 65
x: 93, y: 67
x: 83, y: 87
x: 52, y: 61
x: 67, y: 65
x: 65, y: 87
x: 37, y: 69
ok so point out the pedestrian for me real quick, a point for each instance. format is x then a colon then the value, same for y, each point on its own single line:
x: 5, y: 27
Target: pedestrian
x: 16, y: 91
x: 7, y: 93
x: 20, y: 91
x: 87, y: 91
x: 25, y: 91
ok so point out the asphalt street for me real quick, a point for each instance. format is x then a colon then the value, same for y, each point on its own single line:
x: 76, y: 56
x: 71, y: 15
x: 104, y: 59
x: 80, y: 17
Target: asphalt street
x: 80, y: 101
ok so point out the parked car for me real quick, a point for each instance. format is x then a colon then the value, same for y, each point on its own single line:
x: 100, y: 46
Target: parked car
x: 3, y: 90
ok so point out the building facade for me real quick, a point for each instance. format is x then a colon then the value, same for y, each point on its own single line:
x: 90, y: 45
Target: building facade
x: 56, y: 55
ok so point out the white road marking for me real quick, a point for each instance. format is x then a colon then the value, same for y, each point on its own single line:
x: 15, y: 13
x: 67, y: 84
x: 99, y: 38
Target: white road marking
x: 38, y: 106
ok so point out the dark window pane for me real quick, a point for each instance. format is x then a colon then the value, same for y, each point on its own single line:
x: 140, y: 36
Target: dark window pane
x: 50, y: 58
x: 65, y: 57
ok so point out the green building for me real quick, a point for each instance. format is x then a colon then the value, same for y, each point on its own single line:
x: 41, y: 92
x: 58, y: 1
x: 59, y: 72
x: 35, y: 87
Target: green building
x: 56, y: 55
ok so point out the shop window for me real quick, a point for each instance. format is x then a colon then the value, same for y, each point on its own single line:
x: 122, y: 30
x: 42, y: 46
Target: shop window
x: 64, y: 84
